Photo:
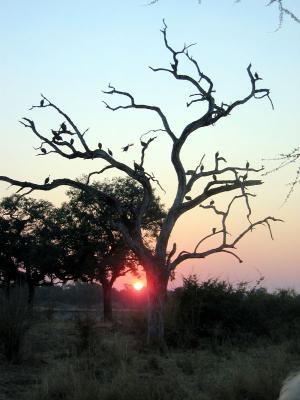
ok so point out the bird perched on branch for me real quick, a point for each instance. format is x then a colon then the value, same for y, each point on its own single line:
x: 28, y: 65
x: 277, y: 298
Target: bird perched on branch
x: 71, y: 142
x: 218, y: 158
x: 125, y: 148
x: 212, y: 203
x: 247, y: 165
x: 56, y: 135
x: 100, y: 146
x: 44, y: 151
x: 256, y: 76
x: 42, y: 103
x: 214, y: 230
x: 110, y: 152
x: 47, y: 180
x: 214, y: 177
x: 63, y: 127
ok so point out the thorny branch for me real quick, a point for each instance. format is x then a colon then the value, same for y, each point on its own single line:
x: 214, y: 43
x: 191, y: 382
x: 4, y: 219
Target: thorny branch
x: 286, y: 159
x: 282, y: 10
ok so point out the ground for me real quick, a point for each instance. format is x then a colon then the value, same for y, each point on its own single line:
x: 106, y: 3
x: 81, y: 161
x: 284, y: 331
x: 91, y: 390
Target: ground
x: 84, y: 359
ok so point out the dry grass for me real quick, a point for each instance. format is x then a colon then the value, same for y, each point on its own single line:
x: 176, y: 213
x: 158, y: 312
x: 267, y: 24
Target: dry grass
x: 114, y: 366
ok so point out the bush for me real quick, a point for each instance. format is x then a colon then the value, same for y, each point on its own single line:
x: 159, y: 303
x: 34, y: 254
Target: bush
x: 219, y: 311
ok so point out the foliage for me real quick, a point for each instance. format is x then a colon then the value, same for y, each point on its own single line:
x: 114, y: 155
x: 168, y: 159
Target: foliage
x: 93, y: 249
x: 26, y: 253
x: 219, y: 311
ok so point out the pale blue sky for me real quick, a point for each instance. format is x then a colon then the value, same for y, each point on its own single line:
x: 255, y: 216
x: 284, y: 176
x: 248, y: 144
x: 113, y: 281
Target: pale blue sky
x: 70, y: 50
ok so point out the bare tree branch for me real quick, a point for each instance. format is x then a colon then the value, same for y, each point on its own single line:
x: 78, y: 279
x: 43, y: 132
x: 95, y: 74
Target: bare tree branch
x: 138, y: 106
x: 224, y: 247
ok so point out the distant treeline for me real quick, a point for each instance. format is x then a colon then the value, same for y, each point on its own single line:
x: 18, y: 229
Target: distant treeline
x: 88, y: 295
x: 214, y: 309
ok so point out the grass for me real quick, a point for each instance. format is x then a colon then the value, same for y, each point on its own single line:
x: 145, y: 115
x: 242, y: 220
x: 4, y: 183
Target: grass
x: 87, y: 360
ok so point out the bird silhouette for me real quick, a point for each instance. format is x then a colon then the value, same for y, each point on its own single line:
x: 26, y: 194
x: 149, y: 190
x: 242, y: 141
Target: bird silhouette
x: 125, y: 148
x: 245, y: 177
x: 71, y: 141
x: 43, y: 150
x: 256, y: 76
x: 212, y: 203
x: 100, y: 146
x: 42, y: 103
x: 214, y: 177
x: 247, y: 165
x: 188, y: 197
x: 214, y: 230
x: 201, y: 168
x: 63, y: 127
x: 56, y: 135
x: 47, y: 180
x: 110, y: 152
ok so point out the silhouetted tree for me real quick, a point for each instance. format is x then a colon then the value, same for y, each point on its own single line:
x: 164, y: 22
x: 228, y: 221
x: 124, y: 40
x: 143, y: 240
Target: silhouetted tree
x: 26, y: 254
x: 93, y: 249
x: 160, y: 260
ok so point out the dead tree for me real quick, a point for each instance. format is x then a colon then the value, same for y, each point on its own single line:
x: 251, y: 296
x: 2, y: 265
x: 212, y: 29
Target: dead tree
x: 160, y: 261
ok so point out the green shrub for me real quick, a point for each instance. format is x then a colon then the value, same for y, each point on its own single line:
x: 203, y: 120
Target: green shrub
x: 219, y: 311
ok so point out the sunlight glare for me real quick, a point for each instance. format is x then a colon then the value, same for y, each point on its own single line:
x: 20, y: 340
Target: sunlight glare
x: 138, y: 285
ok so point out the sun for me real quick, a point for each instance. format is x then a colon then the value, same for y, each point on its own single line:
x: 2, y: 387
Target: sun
x: 138, y: 285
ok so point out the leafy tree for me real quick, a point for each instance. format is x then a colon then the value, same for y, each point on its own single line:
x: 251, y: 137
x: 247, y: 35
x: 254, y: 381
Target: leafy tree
x: 93, y: 248
x: 161, y: 259
x: 26, y: 254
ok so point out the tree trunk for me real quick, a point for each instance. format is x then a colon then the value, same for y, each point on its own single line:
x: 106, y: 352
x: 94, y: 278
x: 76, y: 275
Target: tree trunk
x: 107, y: 301
x: 157, y: 293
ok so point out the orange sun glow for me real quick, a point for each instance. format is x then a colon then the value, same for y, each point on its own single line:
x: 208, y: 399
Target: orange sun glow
x: 138, y: 285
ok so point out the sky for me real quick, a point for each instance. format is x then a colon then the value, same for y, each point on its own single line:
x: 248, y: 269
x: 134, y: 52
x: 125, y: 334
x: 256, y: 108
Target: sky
x: 71, y: 50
